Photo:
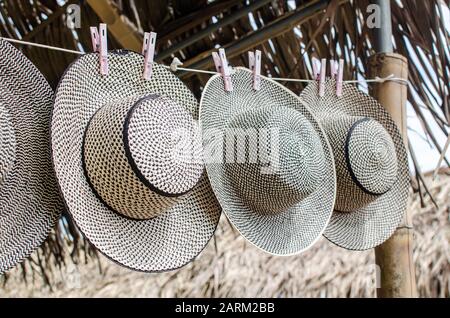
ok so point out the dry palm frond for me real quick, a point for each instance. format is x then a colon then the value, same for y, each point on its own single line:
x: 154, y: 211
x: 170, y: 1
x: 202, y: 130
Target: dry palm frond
x: 236, y: 268
x: 340, y: 31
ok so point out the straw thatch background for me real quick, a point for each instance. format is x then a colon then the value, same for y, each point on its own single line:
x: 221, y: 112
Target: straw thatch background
x: 230, y: 267
x: 289, y: 33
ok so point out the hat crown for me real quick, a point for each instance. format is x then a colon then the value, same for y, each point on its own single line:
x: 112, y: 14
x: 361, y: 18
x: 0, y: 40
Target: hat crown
x: 141, y: 154
x: 366, y: 160
x: 290, y: 158
x: 7, y: 144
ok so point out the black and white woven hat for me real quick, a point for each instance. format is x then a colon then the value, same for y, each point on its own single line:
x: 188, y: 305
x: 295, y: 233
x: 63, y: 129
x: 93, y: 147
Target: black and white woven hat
x: 128, y: 157
x: 29, y: 197
x: 371, y: 163
x: 277, y: 186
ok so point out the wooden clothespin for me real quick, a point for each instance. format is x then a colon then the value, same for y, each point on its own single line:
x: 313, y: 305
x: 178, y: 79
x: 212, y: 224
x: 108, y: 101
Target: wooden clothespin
x: 255, y: 66
x: 222, y: 67
x: 148, y: 50
x: 99, y: 39
x: 340, y: 78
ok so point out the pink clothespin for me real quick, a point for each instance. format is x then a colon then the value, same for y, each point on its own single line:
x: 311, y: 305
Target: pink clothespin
x: 148, y: 50
x: 221, y: 63
x: 95, y: 37
x: 334, y: 68
x: 255, y: 66
x: 340, y: 78
x: 100, y: 45
x: 217, y: 62
x: 316, y: 68
x: 323, y: 74
x: 251, y: 60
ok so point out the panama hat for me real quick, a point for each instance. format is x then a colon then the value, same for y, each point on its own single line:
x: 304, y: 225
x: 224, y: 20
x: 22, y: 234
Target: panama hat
x: 283, y: 201
x: 371, y: 163
x: 128, y: 157
x: 29, y: 198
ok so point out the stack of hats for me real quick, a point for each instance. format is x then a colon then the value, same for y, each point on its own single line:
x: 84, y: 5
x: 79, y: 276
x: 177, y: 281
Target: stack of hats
x: 338, y: 157
x: 283, y: 201
x: 145, y: 171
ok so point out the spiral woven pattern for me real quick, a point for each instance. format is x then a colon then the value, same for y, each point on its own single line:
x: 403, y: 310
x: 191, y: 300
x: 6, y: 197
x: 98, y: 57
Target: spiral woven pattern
x: 298, y: 159
x: 285, y: 211
x: 165, y: 242
x: 29, y: 198
x: 7, y: 144
x: 371, y: 163
x: 165, y: 144
x: 371, y: 157
x: 128, y: 156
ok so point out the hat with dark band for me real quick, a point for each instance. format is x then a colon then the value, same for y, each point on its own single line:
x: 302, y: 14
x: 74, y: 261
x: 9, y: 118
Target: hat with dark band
x: 129, y: 161
x: 371, y: 164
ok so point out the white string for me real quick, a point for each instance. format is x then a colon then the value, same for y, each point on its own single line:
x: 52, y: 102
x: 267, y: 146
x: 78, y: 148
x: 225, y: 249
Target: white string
x: 377, y: 79
x: 298, y: 80
x: 185, y: 69
x: 42, y: 46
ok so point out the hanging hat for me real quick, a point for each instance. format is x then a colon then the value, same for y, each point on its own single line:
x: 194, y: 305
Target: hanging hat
x: 269, y: 163
x: 128, y: 157
x: 371, y: 163
x: 29, y: 198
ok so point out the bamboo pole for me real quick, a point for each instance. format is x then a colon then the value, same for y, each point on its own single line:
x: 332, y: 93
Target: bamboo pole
x: 395, y: 256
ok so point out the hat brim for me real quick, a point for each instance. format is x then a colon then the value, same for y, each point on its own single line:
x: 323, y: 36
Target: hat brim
x: 295, y: 229
x: 30, y: 203
x: 164, y: 243
x: 368, y: 227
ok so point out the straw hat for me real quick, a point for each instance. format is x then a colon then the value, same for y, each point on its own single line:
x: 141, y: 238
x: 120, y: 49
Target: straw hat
x: 282, y: 201
x: 29, y: 198
x: 128, y: 157
x: 371, y: 163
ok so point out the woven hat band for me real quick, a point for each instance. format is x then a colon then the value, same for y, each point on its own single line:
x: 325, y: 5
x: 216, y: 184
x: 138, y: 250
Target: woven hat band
x: 135, y: 158
x: 289, y: 154
x: 7, y: 144
x: 366, y: 160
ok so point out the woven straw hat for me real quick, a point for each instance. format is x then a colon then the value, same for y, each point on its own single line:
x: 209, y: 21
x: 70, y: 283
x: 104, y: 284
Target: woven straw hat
x: 29, y: 198
x: 283, y: 201
x: 128, y: 157
x: 371, y: 163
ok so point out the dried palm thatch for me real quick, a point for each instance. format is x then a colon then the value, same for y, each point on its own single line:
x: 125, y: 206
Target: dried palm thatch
x: 231, y: 267
x: 290, y: 34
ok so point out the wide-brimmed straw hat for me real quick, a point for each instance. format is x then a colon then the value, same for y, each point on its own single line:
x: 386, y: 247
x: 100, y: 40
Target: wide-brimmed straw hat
x: 128, y: 157
x: 29, y: 198
x: 371, y: 163
x: 278, y: 185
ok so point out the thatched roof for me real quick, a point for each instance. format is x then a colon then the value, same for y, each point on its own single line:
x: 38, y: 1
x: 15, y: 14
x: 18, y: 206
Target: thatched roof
x: 289, y: 33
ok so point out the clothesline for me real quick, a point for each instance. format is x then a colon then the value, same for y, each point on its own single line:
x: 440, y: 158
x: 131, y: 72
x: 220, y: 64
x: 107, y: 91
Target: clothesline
x: 175, y: 68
